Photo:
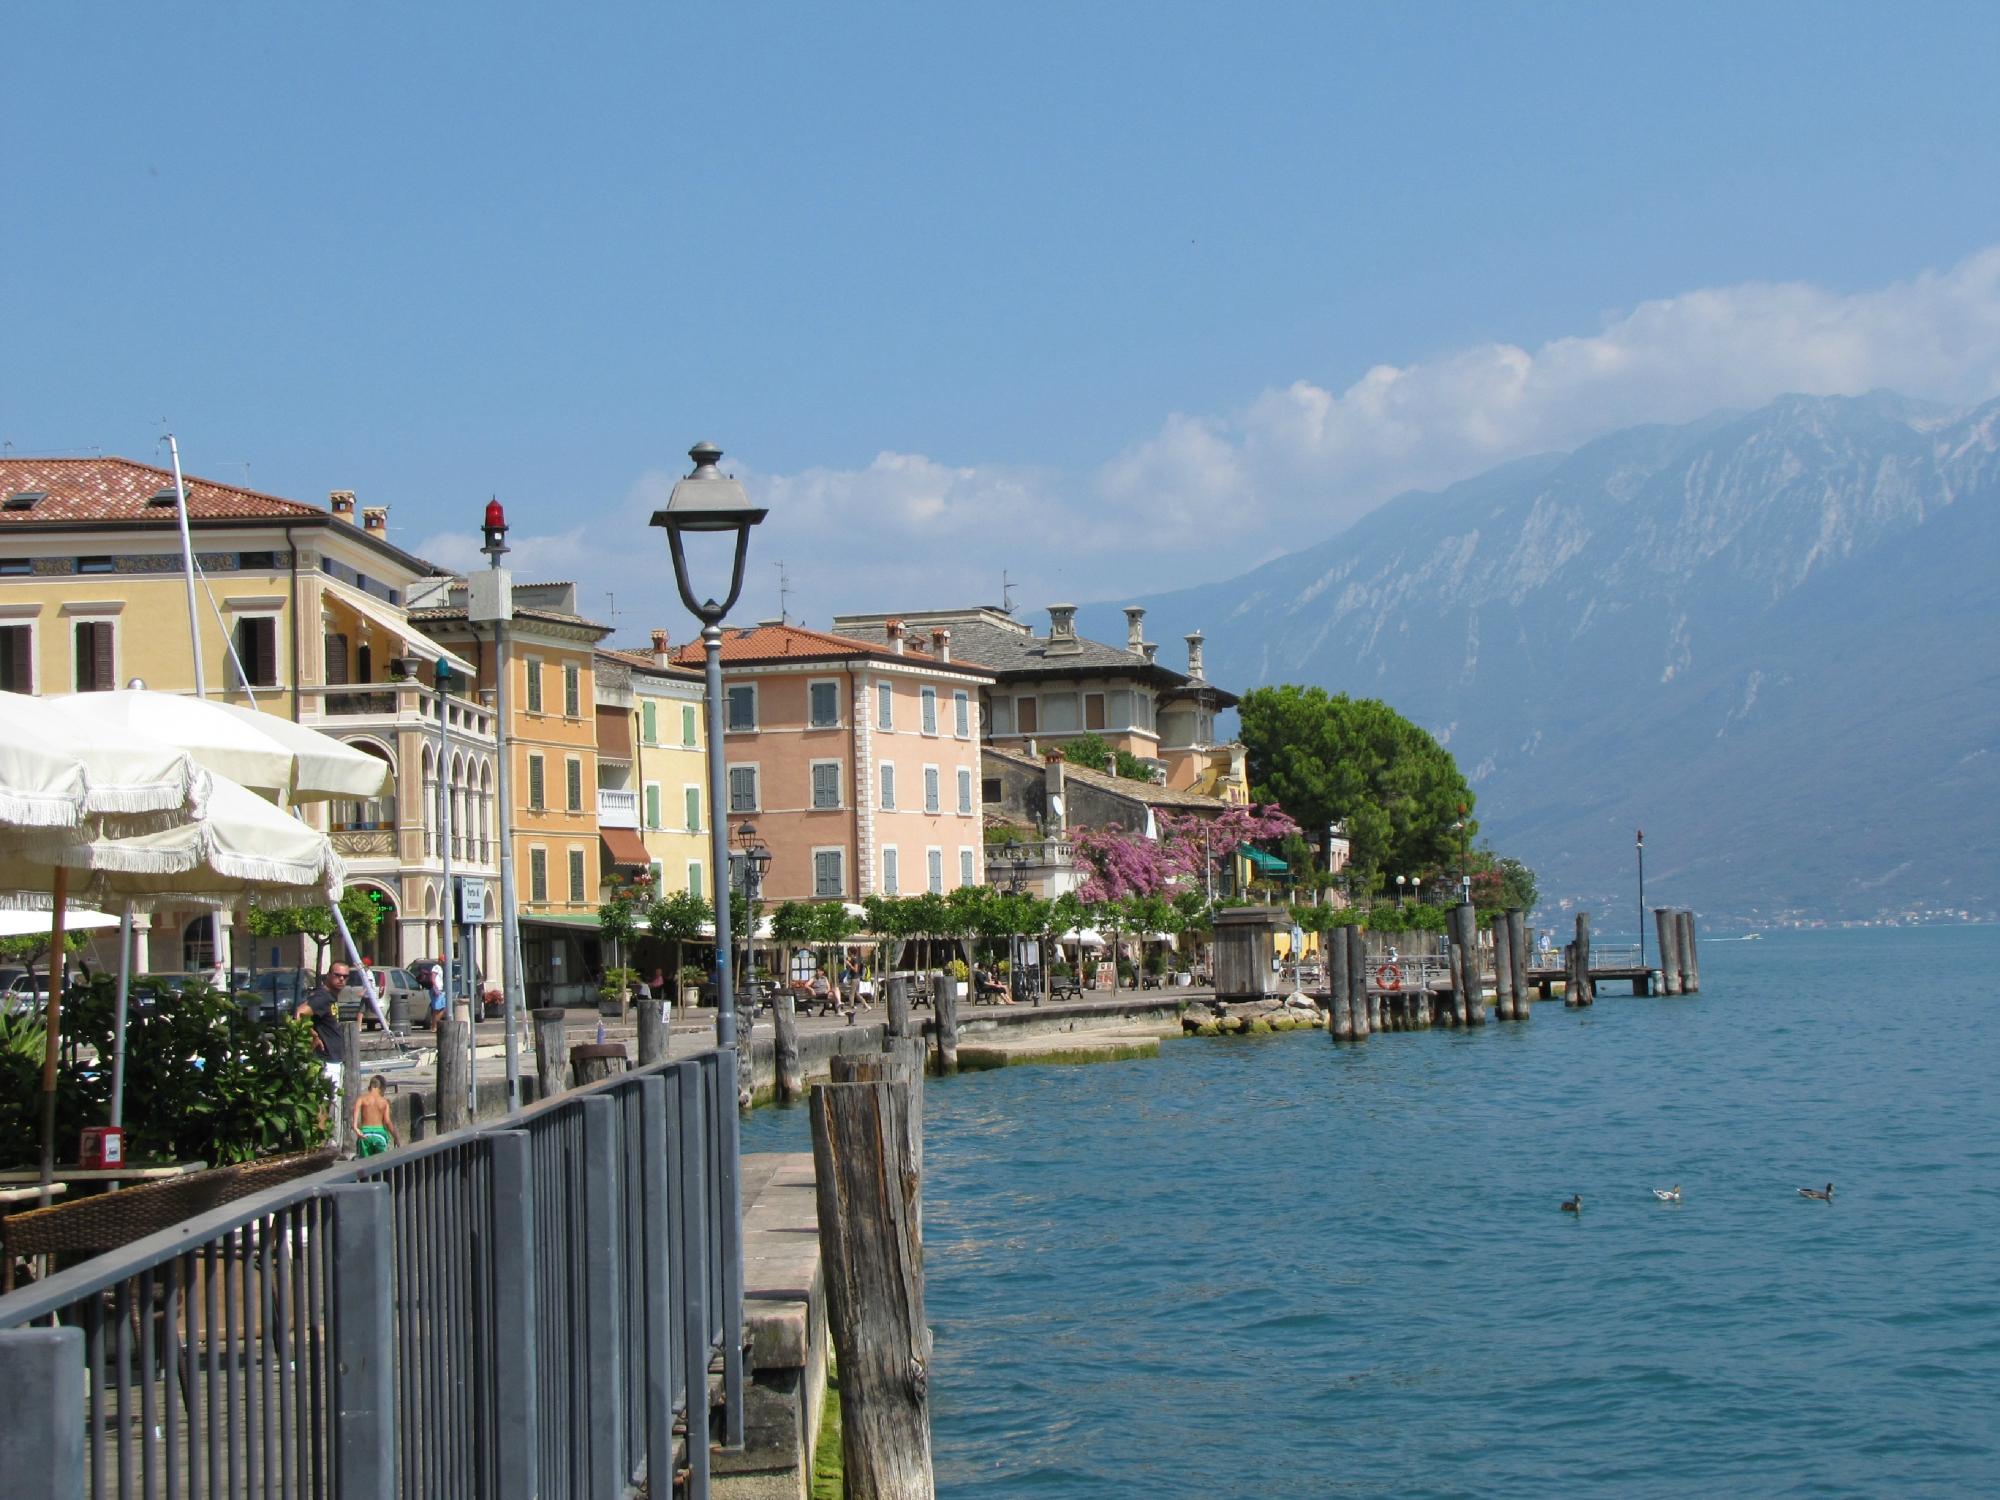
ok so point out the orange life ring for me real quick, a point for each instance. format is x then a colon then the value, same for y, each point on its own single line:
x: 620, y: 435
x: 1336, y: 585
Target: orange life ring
x: 1389, y: 977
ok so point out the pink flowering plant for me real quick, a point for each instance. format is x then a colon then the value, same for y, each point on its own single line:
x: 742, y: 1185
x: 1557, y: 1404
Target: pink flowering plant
x: 1122, y: 864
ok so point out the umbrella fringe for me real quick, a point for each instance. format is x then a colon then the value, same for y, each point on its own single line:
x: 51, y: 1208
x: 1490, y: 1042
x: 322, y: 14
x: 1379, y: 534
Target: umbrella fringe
x: 26, y: 810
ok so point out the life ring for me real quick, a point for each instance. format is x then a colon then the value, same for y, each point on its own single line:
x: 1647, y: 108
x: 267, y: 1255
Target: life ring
x: 1389, y: 977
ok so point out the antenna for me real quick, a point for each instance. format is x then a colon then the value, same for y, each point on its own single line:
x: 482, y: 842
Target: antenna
x: 1006, y: 594
x: 784, y: 593
x: 612, y: 596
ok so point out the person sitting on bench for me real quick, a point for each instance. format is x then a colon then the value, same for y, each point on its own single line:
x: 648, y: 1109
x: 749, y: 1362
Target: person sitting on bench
x: 989, y: 987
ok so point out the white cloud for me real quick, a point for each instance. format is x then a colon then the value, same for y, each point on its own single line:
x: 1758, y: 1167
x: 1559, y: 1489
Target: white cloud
x: 1207, y: 495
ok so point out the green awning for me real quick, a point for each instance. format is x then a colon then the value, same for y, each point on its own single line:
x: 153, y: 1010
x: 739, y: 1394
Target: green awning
x: 1269, y: 864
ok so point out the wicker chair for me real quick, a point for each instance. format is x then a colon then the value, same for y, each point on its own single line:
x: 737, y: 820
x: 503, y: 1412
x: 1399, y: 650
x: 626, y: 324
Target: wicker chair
x: 109, y: 1221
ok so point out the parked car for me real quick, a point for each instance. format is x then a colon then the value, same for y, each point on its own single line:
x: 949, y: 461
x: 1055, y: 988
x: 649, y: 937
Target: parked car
x: 21, y: 991
x: 274, y: 994
x: 390, y: 985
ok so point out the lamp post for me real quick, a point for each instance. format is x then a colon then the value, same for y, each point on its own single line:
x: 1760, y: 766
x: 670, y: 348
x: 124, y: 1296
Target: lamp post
x: 1640, y: 841
x: 490, y: 601
x: 709, y: 501
x: 1017, y: 879
x: 1401, y: 881
x: 756, y: 864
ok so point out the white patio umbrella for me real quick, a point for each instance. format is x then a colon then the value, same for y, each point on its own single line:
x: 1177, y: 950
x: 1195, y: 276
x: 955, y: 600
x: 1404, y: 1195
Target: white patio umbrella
x: 241, y: 846
x: 78, y: 919
x: 256, y: 750
x: 56, y: 773
x: 1088, y: 937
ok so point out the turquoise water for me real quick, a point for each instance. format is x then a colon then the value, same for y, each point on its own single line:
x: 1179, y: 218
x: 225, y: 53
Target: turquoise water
x: 1274, y: 1267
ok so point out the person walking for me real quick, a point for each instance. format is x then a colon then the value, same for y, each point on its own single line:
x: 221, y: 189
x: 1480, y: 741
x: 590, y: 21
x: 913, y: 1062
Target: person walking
x: 374, y: 1127
x: 322, y: 1009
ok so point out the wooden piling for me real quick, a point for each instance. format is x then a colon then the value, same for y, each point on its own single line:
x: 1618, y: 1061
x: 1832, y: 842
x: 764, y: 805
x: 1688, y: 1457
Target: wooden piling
x: 1581, y: 992
x: 1517, y: 942
x: 899, y: 1005
x: 551, y: 1060
x: 946, y: 1013
x: 872, y: 1249
x: 1667, y: 924
x: 652, y: 1032
x: 1472, y: 999
x: 1339, y: 999
x: 1503, y: 968
x: 350, y: 1084
x: 1690, y: 960
x: 592, y: 1062
x: 454, y: 1109
x: 791, y: 1072
x: 1363, y: 1004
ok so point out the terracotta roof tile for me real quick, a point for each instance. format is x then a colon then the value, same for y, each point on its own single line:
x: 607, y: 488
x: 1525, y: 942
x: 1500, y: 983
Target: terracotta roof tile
x: 118, y: 489
x: 771, y: 643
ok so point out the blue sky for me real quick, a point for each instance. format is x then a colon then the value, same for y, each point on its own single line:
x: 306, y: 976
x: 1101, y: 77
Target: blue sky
x: 1049, y: 289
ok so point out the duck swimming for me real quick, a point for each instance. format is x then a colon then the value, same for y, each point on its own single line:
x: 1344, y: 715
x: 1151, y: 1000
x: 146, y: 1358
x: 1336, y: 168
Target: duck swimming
x: 1824, y: 1195
x: 1668, y: 1195
x: 1573, y: 1204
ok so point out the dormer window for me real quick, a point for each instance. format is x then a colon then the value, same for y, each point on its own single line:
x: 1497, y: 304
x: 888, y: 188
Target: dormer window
x: 162, y: 499
x: 26, y: 499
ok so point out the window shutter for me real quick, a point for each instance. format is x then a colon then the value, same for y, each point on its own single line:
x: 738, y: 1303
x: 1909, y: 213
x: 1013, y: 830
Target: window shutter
x: 336, y: 660
x: 576, y: 881
x: 537, y: 789
x: 20, y: 659
x: 574, y: 779
x: 264, y: 651
x: 694, y: 809
x: 102, y: 668
x: 649, y: 730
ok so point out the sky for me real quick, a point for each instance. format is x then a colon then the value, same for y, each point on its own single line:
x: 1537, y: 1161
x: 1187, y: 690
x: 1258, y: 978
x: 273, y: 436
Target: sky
x: 1102, y: 298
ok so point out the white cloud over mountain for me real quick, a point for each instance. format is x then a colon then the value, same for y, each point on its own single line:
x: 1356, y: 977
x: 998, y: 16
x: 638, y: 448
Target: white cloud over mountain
x: 1206, y: 494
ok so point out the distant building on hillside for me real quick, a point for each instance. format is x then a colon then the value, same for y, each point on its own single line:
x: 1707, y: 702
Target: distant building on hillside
x: 1051, y: 689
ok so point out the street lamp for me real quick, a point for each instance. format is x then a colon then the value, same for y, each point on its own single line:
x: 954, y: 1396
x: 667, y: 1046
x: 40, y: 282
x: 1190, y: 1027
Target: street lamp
x: 490, y: 600
x: 709, y: 501
x: 1640, y: 840
x: 756, y: 862
x: 1401, y: 881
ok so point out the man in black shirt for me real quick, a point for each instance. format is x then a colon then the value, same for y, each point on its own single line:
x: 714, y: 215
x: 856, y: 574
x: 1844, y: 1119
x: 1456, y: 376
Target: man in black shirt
x: 322, y: 1008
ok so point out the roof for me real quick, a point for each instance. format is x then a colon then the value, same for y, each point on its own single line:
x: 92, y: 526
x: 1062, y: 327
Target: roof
x: 1013, y: 651
x: 454, y: 611
x: 111, y: 492
x: 755, y: 645
x: 1150, y: 793
x: 643, y: 661
x: 118, y: 489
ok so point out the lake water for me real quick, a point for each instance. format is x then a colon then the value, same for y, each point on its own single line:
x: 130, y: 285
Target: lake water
x: 1276, y: 1267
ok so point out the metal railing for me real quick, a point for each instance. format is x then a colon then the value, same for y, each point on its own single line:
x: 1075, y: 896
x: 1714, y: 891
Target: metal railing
x: 522, y: 1309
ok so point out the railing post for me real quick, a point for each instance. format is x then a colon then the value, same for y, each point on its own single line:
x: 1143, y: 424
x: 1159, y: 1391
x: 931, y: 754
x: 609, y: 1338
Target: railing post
x: 364, y: 1353
x: 691, y: 1130
x: 659, y: 1268
x: 602, y: 1335
x: 41, y: 1435
x: 513, y: 1230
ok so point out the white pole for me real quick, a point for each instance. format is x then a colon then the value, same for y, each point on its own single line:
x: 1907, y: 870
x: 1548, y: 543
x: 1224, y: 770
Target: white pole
x: 513, y: 978
x: 187, y: 564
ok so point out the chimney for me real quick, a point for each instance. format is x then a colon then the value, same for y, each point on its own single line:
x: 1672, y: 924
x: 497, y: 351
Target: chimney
x: 375, y: 520
x: 1062, y: 631
x: 1149, y: 650
x: 341, y: 503
x: 1135, y: 630
x: 941, y: 644
x: 1194, y: 655
x: 894, y: 628
x: 1057, y: 816
x: 661, y: 655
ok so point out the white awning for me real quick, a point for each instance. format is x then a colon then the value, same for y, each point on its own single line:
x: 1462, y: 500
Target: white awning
x: 381, y: 612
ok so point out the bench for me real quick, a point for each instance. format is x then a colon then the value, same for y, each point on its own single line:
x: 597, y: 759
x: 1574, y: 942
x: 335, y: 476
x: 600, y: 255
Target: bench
x: 1061, y: 987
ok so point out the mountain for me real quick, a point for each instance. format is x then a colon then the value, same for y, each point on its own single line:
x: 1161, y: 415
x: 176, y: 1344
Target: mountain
x: 1769, y: 639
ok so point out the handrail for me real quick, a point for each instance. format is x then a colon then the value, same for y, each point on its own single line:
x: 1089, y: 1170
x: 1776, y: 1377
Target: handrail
x: 525, y: 1277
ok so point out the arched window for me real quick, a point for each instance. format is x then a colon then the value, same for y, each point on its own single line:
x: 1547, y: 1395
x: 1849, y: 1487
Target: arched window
x: 198, y: 945
x: 351, y: 815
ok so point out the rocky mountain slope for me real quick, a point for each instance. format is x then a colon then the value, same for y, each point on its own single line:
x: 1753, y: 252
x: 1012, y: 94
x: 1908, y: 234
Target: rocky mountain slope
x: 1770, y: 639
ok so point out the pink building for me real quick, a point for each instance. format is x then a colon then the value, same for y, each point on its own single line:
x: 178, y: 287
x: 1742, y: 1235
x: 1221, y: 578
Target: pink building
x: 858, y: 761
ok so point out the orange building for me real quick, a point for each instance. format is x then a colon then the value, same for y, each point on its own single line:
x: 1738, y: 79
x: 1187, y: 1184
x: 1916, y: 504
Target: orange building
x: 857, y: 761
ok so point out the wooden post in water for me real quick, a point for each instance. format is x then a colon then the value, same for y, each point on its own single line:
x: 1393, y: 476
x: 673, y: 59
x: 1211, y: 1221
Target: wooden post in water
x: 1361, y: 1006
x: 453, y: 1108
x: 872, y: 1249
x: 1454, y: 948
x: 946, y: 1012
x: 551, y: 1059
x: 1339, y: 1000
x: 1667, y: 924
x: 652, y: 1032
x: 1517, y: 942
x: 1580, y: 961
x: 785, y: 1019
x: 899, y: 1005
x: 1503, y: 969
x: 1472, y: 1000
x: 1690, y: 960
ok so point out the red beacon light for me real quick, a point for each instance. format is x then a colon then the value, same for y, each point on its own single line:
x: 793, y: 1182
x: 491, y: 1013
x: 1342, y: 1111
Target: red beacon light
x: 495, y: 527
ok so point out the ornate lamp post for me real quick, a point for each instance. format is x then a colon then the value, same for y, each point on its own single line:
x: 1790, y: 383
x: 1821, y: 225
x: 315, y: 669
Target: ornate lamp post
x: 709, y: 501
x: 1401, y: 881
x: 756, y: 864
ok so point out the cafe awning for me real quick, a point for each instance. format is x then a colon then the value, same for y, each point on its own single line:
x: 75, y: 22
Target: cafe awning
x: 627, y: 851
x: 381, y: 613
x: 1268, y: 864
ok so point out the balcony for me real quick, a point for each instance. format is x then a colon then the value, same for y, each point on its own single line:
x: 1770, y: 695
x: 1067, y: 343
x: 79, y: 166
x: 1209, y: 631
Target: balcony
x: 393, y: 705
x: 617, y: 809
x: 1036, y: 859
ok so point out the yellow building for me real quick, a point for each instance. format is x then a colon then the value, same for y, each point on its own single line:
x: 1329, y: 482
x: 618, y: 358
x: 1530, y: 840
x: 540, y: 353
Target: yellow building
x: 551, y: 741
x: 652, y: 760
x: 300, y: 612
